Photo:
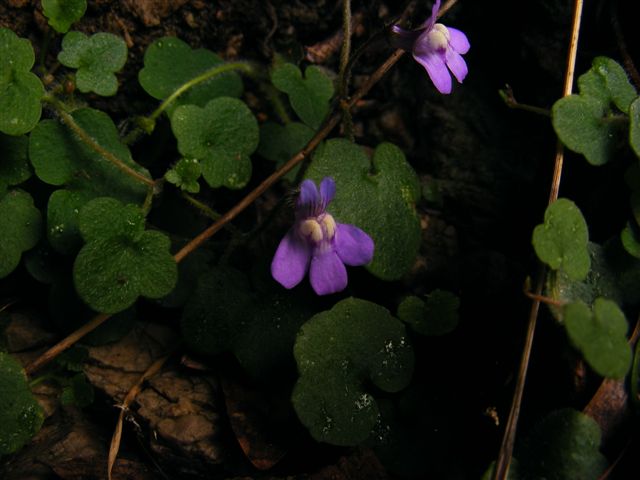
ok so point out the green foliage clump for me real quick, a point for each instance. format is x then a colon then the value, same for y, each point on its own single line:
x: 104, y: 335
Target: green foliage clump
x: 338, y: 353
x: 20, y: 414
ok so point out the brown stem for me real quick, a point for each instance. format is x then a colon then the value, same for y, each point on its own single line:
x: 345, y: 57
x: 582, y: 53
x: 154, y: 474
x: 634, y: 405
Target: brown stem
x: 506, y: 449
x: 65, y: 343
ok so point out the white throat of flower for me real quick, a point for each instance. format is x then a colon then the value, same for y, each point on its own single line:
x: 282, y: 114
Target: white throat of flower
x: 320, y: 230
x: 438, y: 37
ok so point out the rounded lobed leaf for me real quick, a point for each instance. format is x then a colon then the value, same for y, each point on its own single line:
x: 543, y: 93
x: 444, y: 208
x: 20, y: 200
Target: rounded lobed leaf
x: 20, y: 90
x: 309, y: 96
x: 20, y: 414
x: 225, y: 315
x: 337, y: 353
x: 629, y: 241
x: 170, y: 63
x: 20, y: 224
x: 585, y: 125
x: 60, y: 158
x: 607, y: 81
x: 61, y: 14
x: 96, y: 58
x: 107, y: 217
x: 377, y: 196
x: 63, y: 211
x: 561, y: 241
x: 120, y: 261
x: 435, y: 316
x: 221, y: 136
x: 600, y: 335
x: 564, y: 445
x: 601, y: 281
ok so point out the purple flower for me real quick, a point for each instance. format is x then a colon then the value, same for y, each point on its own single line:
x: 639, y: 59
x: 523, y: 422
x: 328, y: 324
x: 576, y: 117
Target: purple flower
x: 318, y: 244
x: 436, y: 48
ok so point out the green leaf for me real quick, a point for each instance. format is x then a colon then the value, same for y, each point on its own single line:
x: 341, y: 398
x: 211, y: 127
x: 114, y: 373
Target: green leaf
x: 564, y: 445
x: 21, y: 225
x: 63, y: 211
x: 61, y: 14
x: 600, y: 336
x: 120, y: 260
x: 585, y: 126
x: 279, y: 143
x: 97, y: 58
x: 309, y: 96
x: 587, y: 123
x: 435, y: 316
x: 170, y: 63
x: 20, y: 414
x: 608, y: 81
x: 60, y: 158
x: 630, y: 242
x: 14, y: 167
x: 185, y: 175
x: 634, y: 126
x: 601, y: 281
x: 221, y: 136
x: 225, y: 315
x: 561, y: 242
x: 377, y: 196
x: 338, y: 352
x: 20, y: 90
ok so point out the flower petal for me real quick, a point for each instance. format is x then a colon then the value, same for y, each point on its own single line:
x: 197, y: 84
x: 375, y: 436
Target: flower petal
x: 308, y: 198
x: 437, y: 70
x: 430, y: 22
x: 327, y: 191
x: 458, y: 40
x: 456, y: 64
x: 327, y: 273
x: 353, y: 246
x: 291, y: 261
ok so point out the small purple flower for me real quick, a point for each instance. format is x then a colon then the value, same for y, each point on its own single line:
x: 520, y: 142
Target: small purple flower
x: 436, y: 48
x: 318, y: 244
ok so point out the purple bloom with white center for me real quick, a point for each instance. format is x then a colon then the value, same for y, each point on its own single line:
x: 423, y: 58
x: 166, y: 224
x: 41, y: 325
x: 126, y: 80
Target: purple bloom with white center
x: 316, y: 243
x: 437, y: 48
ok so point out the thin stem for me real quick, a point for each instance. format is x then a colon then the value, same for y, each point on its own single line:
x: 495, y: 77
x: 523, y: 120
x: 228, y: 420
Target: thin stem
x: 511, y: 102
x: 95, y: 146
x: 506, y: 449
x: 343, y: 74
x: 65, y: 343
x: 203, y: 77
x: 201, y: 206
